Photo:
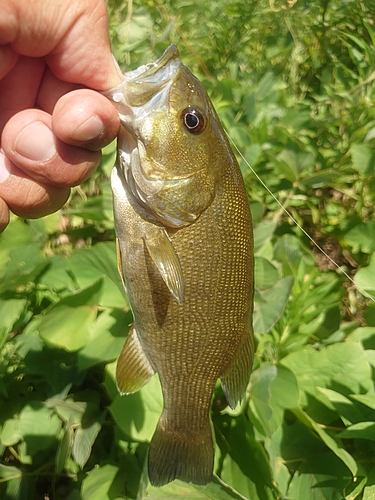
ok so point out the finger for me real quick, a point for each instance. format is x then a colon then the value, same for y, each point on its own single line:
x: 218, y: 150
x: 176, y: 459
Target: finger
x: 73, y: 36
x: 26, y: 197
x: 4, y: 215
x: 8, y: 59
x: 50, y: 91
x: 19, y: 88
x: 30, y: 144
x: 85, y: 118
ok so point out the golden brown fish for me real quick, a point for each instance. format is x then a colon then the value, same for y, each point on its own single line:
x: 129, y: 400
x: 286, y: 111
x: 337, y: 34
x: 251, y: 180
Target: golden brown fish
x: 186, y: 256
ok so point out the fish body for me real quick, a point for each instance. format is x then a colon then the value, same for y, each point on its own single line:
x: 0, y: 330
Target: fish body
x: 185, y: 251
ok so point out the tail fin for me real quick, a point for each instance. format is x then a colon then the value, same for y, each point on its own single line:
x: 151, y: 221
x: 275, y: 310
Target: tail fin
x: 174, y: 454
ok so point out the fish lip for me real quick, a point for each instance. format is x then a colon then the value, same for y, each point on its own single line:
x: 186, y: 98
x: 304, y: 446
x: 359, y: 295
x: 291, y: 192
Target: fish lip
x: 169, y: 55
x: 152, y: 77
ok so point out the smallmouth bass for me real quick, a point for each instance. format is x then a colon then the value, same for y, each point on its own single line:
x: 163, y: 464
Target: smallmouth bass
x: 185, y: 253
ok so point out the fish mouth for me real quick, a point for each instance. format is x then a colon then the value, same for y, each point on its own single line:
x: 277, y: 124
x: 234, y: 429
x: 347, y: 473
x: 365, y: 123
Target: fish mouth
x: 141, y: 87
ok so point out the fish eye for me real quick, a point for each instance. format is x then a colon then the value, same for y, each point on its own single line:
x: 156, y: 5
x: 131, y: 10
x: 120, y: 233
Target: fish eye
x: 193, y: 120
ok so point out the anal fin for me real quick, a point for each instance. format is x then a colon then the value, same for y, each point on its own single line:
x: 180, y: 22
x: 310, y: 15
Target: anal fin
x: 133, y: 368
x: 236, y: 377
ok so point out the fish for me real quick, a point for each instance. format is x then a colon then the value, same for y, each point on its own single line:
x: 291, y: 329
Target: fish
x: 185, y: 254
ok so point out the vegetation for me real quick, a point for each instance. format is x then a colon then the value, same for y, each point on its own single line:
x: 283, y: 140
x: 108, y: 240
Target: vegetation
x: 294, y: 83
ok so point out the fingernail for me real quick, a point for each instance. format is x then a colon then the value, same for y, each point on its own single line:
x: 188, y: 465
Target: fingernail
x: 91, y: 129
x: 36, y: 142
x: 4, y: 171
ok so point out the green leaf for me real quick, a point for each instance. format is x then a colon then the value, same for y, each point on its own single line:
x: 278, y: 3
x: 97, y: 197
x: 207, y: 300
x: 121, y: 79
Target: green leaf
x: 107, y: 337
x: 266, y: 274
x: 344, y: 364
x: 321, y: 477
x: 216, y: 490
x: 84, y: 439
x: 263, y: 233
x: 270, y: 304
x: 18, y: 234
x: 360, y: 430
x: 10, y: 311
x: 138, y: 414
x: 273, y: 388
x: 365, y: 277
x: 25, y: 264
x: 290, y: 252
x: 65, y: 446
x: 366, y: 399
x: 245, y: 465
x: 101, y: 484
x: 363, y: 158
x: 67, y: 324
x: 362, y: 237
x: 328, y: 440
x: 100, y: 262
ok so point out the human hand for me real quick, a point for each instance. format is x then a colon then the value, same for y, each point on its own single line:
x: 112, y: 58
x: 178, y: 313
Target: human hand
x: 53, y: 124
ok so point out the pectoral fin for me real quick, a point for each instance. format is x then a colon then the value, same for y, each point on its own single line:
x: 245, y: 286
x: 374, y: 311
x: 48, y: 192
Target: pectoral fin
x: 133, y: 368
x: 166, y: 260
x: 236, y: 377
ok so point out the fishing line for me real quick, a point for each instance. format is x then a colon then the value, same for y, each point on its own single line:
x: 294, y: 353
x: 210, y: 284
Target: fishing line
x: 363, y: 292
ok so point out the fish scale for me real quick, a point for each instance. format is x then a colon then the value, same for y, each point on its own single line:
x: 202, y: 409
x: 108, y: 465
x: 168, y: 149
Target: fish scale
x: 183, y: 225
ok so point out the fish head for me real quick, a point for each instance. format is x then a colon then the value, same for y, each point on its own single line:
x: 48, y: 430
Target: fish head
x: 169, y: 149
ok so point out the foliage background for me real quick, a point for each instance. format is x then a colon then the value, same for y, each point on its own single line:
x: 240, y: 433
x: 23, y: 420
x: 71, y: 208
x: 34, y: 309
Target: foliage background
x: 293, y: 82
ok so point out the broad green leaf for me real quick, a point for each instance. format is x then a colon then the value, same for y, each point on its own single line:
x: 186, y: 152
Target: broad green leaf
x: 36, y: 425
x: 290, y: 252
x: 67, y: 324
x: 101, y: 484
x: 245, y: 465
x: 233, y: 475
x: 363, y: 158
x: 84, y: 439
x: 57, y: 276
x: 293, y: 163
x: 344, y: 364
x: 365, y: 277
x: 25, y: 264
x: 362, y: 237
x: 321, y: 477
x: 274, y: 447
x: 106, y: 339
x: 361, y: 334
x: 263, y: 233
x: 216, y: 490
x: 65, y: 446
x: 10, y: 311
x: 100, y: 262
x: 137, y: 414
x: 332, y: 444
x: 360, y: 430
x: 357, y: 490
x: 369, y: 491
x: 272, y: 389
x: 270, y: 305
x: 344, y: 406
x: 17, y: 235
x: 266, y: 274
x: 366, y: 399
